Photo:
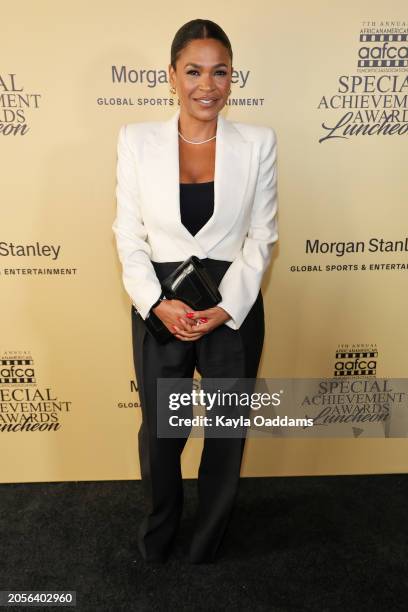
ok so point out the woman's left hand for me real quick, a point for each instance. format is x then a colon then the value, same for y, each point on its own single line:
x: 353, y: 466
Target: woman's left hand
x: 205, y: 321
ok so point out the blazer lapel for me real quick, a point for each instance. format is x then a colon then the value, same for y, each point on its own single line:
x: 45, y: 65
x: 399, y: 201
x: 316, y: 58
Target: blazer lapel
x: 161, y: 179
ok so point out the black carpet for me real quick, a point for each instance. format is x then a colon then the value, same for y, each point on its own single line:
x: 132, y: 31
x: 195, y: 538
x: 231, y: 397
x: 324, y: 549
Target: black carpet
x: 298, y: 543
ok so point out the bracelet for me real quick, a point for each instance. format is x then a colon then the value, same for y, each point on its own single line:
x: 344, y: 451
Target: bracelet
x: 161, y: 298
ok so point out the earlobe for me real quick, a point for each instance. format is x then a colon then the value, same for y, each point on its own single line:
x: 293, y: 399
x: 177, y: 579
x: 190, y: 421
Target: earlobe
x: 171, y: 75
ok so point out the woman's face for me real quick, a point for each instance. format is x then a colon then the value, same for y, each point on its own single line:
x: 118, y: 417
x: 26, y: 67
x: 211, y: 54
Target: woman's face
x: 202, y: 78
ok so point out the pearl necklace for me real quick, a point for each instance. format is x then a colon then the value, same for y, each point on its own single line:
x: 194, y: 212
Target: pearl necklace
x: 195, y: 141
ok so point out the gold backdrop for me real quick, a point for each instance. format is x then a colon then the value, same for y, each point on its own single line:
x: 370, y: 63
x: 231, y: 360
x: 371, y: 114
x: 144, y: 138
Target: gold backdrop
x: 71, y: 74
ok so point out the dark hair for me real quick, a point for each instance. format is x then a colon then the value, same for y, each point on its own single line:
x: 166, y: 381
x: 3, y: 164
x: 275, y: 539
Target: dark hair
x: 196, y: 29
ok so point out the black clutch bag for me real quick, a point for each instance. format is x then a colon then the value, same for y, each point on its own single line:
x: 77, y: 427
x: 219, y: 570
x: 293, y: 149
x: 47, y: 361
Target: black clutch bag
x: 191, y: 283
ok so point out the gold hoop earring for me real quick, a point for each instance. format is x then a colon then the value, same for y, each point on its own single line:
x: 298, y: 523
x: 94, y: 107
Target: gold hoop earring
x: 172, y: 90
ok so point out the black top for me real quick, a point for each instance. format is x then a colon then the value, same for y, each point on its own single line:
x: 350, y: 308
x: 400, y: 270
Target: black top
x: 196, y: 204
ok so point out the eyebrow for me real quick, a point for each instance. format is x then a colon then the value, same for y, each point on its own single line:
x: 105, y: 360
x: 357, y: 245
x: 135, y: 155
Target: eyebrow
x: 199, y: 66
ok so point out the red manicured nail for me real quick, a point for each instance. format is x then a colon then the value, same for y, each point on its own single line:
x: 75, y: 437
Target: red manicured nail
x: 189, y: 314
x: 203, y: 320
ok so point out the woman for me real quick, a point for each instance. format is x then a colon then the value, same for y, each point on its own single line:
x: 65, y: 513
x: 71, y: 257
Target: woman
x: 196, y: 184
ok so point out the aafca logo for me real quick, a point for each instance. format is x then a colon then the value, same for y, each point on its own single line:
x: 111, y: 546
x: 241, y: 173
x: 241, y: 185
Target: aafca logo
x: 380, y: 49
x: 17, y: 371
x: 374, y: 101
x: 24, y: 405
x: 356, y: 360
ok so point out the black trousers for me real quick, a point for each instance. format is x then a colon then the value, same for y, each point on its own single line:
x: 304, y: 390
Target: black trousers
x: 223, y: 353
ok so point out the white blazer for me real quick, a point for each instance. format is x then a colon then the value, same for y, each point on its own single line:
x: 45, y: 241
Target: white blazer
x: 242, y: 228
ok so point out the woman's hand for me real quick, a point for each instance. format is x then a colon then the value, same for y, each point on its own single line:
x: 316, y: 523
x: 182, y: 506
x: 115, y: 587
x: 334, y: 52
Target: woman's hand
x: 186, y: 324
x: 171, y: 312
x: 199, y: 322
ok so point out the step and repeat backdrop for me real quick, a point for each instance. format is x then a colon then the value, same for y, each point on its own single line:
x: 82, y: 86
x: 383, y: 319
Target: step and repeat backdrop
x: 333, y: 83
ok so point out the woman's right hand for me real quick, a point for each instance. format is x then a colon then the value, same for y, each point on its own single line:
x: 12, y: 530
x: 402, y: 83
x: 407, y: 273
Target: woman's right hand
x: 172, y: 313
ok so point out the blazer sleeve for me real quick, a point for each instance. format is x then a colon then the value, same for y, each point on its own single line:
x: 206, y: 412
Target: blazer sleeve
x: 241, y: 283
x: 138, y: 274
